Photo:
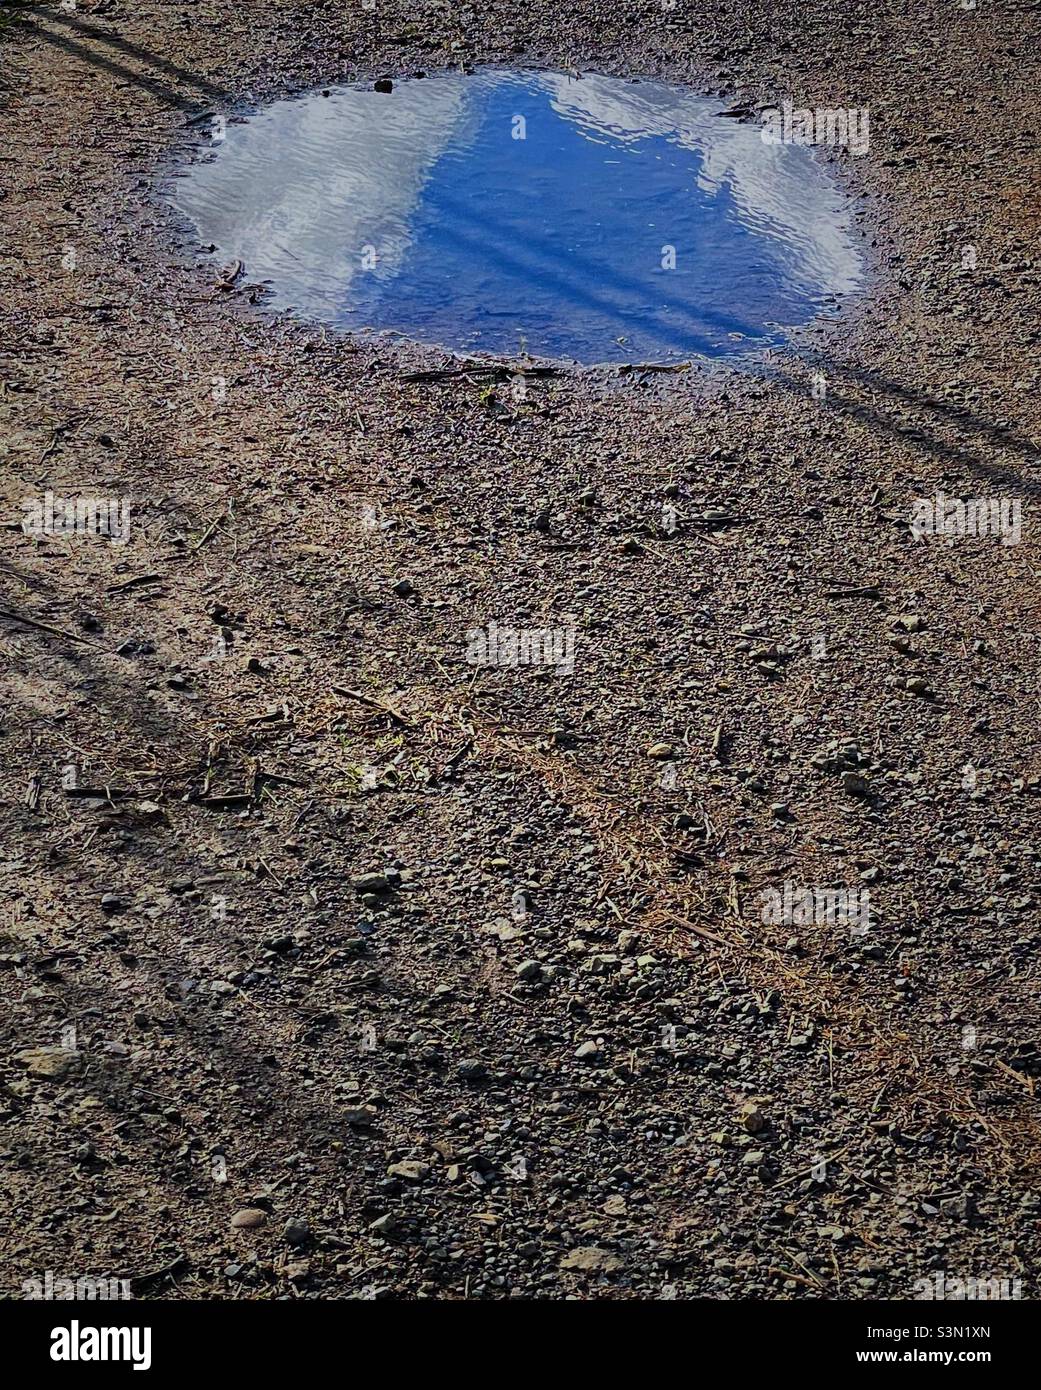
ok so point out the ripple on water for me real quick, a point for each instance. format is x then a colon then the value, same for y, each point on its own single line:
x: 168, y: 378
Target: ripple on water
x: 591, y: 218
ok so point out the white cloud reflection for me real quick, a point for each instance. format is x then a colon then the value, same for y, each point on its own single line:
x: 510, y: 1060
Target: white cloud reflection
x: 780, y: 189
x: 301, y: 188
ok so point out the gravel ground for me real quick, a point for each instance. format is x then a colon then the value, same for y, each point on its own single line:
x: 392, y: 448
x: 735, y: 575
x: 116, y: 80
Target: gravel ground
x: 339, y: 967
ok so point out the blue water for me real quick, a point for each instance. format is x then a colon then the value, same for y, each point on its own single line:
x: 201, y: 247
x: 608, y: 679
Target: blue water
x: 630, y: 222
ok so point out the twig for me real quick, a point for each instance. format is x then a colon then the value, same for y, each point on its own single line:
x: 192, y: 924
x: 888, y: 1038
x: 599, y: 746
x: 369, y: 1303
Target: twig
x: 655, y: 367
x: 787, y: 1274
x: 690, y: 926
x: 46, y: 627
x: 496, y: 369
x: 862, y: 591
x: 453, y: 762
x: 133, y: 583
x: 223, y: 516
x: 382, y: 705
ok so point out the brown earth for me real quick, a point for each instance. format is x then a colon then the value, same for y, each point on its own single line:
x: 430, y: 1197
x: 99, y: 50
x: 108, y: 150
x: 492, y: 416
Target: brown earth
x: 256, y: 717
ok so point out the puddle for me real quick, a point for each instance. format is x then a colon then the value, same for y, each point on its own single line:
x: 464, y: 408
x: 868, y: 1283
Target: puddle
x: 591, y: 218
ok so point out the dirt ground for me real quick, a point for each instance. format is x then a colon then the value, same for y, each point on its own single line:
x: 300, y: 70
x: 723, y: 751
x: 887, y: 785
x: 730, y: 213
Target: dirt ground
x: 549, y: 1048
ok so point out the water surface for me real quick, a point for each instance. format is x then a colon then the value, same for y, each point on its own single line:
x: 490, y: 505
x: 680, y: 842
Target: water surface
x: 588, y: 218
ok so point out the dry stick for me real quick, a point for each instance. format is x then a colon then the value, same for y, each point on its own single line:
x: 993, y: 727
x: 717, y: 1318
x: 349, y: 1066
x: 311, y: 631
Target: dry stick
x: 654, y: 367
x: 878, y: 1099
x: 690, y: 926
x: 384, y: 706
x: 453, y: 762
x: 807, y: 1172
x: 51, y: 448
x: 1027, y: 1081
x: 787, y: 1274
x: 227, y: 281
x: 209, y: 531
x: 46, y: 627
x: 803, y: 1265
x: 132, y: 583
x: 151, y: 1275
x: 495, y: 369
x: 864, y: 591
